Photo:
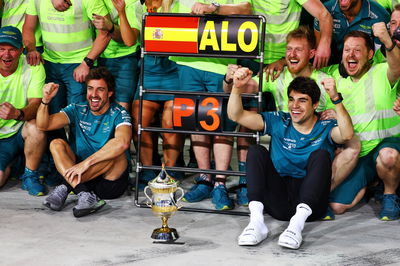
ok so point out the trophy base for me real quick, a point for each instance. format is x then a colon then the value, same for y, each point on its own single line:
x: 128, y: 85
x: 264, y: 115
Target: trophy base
x: 165, y: 234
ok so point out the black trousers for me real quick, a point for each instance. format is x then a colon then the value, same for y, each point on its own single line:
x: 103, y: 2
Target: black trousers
x: 103, y: 188
x: 280, y: 195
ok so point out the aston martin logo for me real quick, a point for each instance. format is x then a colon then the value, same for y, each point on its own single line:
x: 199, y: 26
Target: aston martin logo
x: 158, y: 34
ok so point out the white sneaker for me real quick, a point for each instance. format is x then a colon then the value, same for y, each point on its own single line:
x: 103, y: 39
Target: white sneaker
x: 252, y: 236
x: 290, y: 239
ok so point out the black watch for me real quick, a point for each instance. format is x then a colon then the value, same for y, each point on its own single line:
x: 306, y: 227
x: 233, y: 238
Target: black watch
x: 392, y: 47
x: 228, y: 81
x: 21, y: 115
x: 89, y: 62
x: 339, y: 100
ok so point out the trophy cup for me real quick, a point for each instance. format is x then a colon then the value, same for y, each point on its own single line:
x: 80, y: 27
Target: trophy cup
x: 163, y: 203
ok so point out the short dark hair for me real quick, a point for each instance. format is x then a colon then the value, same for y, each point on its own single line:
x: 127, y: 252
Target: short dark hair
x: 307, y: 86
x: 359, y: 34
x: 396, y: 7
x: 303, y: 32
x: 102, y: 73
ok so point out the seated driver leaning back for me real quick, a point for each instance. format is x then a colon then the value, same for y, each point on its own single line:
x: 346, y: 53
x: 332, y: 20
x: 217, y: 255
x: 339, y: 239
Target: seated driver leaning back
x: 95, y: 163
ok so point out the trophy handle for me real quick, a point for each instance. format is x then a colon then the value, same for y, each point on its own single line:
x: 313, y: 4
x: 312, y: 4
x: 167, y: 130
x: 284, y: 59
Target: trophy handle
x: 147, y: 196
x: 182, y: 193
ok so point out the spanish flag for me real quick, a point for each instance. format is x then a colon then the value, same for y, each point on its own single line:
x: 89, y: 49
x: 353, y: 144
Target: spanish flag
x: 171, y: 34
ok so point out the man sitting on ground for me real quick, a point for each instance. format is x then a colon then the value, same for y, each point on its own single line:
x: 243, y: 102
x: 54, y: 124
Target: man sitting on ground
x: 300, y: 49
x: 292, y: 181
x: 95, y: 164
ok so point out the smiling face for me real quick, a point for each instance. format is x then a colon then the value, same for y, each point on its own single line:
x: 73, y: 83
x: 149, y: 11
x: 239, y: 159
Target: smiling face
x: 298, y: 54
x: 98, y: 96
x: 300, y: 107
x: 356, y: 56
x: 9, y: 58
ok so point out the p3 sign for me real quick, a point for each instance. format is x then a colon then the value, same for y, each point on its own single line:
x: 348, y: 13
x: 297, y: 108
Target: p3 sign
x: 202, y: 35
x: 198, y: 113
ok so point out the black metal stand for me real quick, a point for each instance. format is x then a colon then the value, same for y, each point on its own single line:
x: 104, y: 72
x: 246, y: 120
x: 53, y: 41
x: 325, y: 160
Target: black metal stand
x: 142, y: 91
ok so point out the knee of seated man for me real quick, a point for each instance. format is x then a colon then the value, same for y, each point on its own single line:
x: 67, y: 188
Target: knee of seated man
x: 31, y: 130
x: 387, y: 157
x: 56, y: 144
x: 350, y: 149
x: 353, y: 152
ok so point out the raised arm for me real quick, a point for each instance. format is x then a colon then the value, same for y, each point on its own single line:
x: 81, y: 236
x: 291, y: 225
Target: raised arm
x: 236, y: 113
x: 324, y: 37
x: 392, y: 51
x: 250, y: 87
x: 44, y: 121
x: 105, y: 23
x: 344, y: 131
x: 129, y: 35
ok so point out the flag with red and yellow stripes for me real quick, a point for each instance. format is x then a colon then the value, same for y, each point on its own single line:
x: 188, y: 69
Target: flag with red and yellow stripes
x: 171, y: 34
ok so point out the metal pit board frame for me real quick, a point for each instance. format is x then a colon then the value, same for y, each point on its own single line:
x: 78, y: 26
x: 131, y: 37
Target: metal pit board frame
x: 172, y: 34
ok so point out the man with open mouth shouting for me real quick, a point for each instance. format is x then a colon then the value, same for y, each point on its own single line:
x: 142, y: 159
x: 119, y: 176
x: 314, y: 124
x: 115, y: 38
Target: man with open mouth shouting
x: 369, y: 92
x: 95, y: 163
x: 20, y: 93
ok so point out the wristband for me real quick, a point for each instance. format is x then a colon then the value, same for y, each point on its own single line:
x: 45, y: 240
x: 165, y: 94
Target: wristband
x: 392, y: 47
x: 44, y: 102
x: 112, y: 29
x: 89, y: 62
x: 228, y: 81
x: 21, y: 115
x: 339, y: 100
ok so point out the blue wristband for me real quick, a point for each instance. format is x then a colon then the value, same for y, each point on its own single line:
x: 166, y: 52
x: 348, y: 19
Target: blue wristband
x: 338, y: 100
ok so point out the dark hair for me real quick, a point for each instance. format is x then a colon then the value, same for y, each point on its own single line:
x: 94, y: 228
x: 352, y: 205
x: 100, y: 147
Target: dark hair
x: 303, y: 32
x: 306, y: 86
x: 102, y: 73
x: 396, y: 7
x: 359, y: 34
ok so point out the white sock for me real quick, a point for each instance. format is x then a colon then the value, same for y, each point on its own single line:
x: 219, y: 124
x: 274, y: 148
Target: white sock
x: 256, y: 230
x: 256, y: 209
x: 299, y: 219
x: 291, y: 237
x: 257, y: 217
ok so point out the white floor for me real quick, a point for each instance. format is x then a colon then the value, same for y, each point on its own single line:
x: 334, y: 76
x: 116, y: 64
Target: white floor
x: 119, y: 234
